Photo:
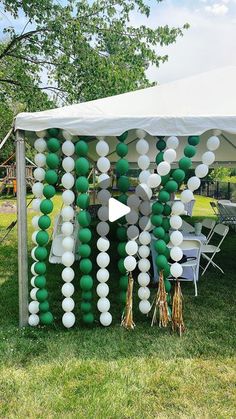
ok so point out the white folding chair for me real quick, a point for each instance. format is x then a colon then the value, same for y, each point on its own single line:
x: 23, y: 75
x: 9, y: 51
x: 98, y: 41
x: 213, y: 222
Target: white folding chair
x: 209, y: 225
x: 211, y: 249
x: 193, y: 262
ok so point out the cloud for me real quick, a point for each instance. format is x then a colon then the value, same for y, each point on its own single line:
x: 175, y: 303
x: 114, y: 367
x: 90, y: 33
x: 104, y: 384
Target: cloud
x: 218, y: 9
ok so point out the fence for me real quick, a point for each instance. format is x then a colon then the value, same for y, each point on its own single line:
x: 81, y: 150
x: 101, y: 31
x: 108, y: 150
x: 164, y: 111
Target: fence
x: 218, y: 190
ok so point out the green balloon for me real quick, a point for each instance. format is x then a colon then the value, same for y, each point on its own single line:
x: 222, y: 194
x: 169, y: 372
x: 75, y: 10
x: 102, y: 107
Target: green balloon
x: 166, y: 238
x: 85, y: 306
x: 157, y: 208
x: 86, y: 282
x: 121, y: 266
x: 84, y: 235
x: 167, y: 285
x: 40, y: 253
x: 84, y: 250
x: 121, y: 249
x: 81, y: 148
x: 167, y: 210
x: 87, y: 295
x: 185, y: 163
x: 194, y: 140
x: 159, y: 232
x: 52, y: 160
x: 178, y: 175
x: 123, y: 198
x: 122, y: 297
x: 53, y: 132
x: 51, y: 177
x: 121, y: 233
x: 122, y: 220
x: 46, y: 206
x: 88, y: 318
x: 166, y: 271
x: 123, y: 136
x: 190, y: 151
x: 159, y: 157
x: 164, y: 196
x: 42, y: 238
x: 44, y: 306
x: 156, y: 220
x: 40, y: 281
x: 46, y: 318
x: 122, y: 166
x: 84, y: 218
x: 41, y: 295
x: 82, y: 166
x: 167, y: 253
x: 83, y: 201
x: 161, y: 145
x: 53, y: 145
x: 40, y: 268
x: 164, y: 179
x: 161, y: 261
x: 160, y: 246
x: 171, y: 186
x: 85, y: 266
x: 49, y: 191
x: 44, y: 222
x: 123, y: 183
x: 123, y: 282
x: 82, y: 184
x: 166, y: 224
x: 122, y: 149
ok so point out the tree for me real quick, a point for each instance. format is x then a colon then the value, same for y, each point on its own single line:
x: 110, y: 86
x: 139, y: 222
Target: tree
x: 220, y: 173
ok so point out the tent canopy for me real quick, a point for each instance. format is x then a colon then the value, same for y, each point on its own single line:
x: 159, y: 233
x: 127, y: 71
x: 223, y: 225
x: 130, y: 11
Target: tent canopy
x: 196, y: 105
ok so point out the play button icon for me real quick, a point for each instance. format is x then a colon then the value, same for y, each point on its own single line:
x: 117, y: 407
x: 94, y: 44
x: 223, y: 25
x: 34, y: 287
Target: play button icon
x: 116, y: 209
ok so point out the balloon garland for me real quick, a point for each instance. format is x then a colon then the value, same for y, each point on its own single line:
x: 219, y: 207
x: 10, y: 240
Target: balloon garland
x: 103, y: 243
x: 85, y: 235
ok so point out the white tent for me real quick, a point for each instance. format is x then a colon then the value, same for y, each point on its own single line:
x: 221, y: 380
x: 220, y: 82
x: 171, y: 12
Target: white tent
x: 197, y: 105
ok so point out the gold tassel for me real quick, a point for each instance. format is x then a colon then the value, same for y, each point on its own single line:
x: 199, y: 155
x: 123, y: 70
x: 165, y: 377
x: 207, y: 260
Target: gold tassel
x: 160, y: 303
x: 177, y: 310
x: 127, y: 318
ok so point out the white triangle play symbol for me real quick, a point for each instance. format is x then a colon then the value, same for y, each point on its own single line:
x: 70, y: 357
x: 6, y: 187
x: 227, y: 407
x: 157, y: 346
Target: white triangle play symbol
x: 116, y: 209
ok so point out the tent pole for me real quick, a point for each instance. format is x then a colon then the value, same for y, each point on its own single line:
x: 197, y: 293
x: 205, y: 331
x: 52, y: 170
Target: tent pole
x: 94, y: 184
x: 22, y: 229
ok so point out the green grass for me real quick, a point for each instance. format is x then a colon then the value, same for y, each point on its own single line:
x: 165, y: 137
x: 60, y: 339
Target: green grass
x: 112, y: 373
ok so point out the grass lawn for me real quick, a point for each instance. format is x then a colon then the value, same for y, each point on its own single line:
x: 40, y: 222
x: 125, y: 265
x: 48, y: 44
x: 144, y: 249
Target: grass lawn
x: 113, y: 373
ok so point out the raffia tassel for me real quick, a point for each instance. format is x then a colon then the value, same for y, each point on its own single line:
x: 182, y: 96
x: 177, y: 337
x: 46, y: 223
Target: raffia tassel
x: 177, y: 310
x: 127, y: 319
x: 160, y: 305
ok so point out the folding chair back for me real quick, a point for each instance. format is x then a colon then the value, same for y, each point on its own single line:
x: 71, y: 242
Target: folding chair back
x: 215, y: 208
x: 192, y: 245
x: 213, y: 248
x: 221, y: 230
x: 208, y: 224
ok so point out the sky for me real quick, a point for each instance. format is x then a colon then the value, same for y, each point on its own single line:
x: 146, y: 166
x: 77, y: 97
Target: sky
x: 209, y: 43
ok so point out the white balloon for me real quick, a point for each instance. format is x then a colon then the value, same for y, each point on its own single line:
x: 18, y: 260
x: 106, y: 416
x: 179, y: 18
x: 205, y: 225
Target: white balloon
x: 103, y: 259
x: 32, y: 269
x: 141, y: 133
x: 132, y: 232
x: 208, y: 158
x: 144, y: 265
x: 67, y: 228
x: 68, y: 180
x: 201, y: 170
x: 68, y: 164
x: 67, y: 213
x: 35, y: 222
x: 169, y: 155
x: 103, y: 213
x: 40, y: 159
x: 103, y: 305
x: 40, y: 145
x: 143, y: 191
x: 102, y: 275
x: 143, y: 162
x: 176, y: 253
x: 131, y: 247
x: 33, y: 320
x: 37, y: 189
x: 130, y: 263
x: 105, y: 318
x: 145, y: 223
x: 145, y: 237
x: 33, y: 293
x: 67, y: 135
x: 178, y: 208
x: 144, y: 293
x: 67, y: 289
x: 213, y: 143
x: 103, y: 196
x: 102, y: 148
x: 144, y: 306
x: 193, y: 183
x: 32, y: 253
x: 142, y: 146
x: 144, y: 251
x: 68, y: 320
x: 32, y: 281
x: 145, y: 208
x: 163, y: 168
x: 36, y: 204
x: 39, y: 174
x: 103, y: 164
x: 133, y: 201
x: 154, y: 180
x: 68, y: 148
x: 103, y: 244
x: 68, y: 274
x: 102, y: 290
x: 67, y: 258
x: 68, y: 304
x: 104, y: 181
x: 176, y: 270
x: 175, y: 222
x: 143, y: 176
x: 68, y: 243
x: 33, y: 237
x: 68, y: 197
x: 172, y: 142
x: 176, y: 238
x: 34, y: 307
x: 143, y: 279
x: 103, y: 228
x: 41, y: 133
x: 186, y: 196
x: 132, y: 217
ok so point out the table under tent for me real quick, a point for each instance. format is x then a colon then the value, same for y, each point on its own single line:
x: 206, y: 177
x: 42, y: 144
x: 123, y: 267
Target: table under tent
x: 164, y: 131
